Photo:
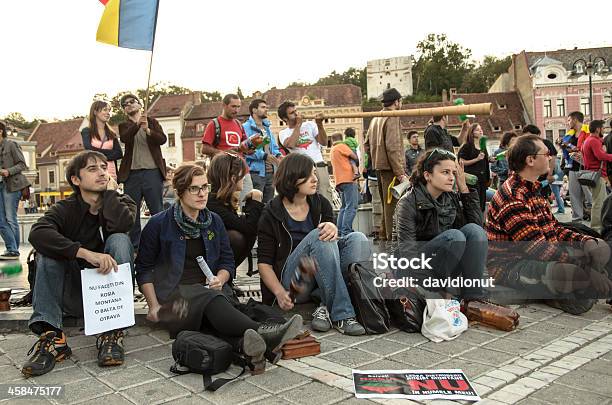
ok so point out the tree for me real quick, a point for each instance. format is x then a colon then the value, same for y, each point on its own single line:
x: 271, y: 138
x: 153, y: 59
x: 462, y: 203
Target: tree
x: 352, y: 75
x: 441, y: 64
x: 480, y: 79
x: 239, y: 93
x: 16, y: 119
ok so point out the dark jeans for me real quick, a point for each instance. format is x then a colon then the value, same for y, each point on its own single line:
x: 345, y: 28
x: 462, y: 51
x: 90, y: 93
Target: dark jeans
x: 349, y: 193
x: 264, y: 184
x: 147, y: 184
x: 57, y: 291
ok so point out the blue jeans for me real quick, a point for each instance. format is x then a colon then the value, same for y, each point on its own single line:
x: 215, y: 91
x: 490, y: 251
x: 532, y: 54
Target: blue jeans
x: 459, y: 252
x: 349, y: 192
x: 147, y: 184
x: 57, y: 290
x: 333, y: 259
x: 9, y: 227
x: 264, y: 184
x: 556, y: 189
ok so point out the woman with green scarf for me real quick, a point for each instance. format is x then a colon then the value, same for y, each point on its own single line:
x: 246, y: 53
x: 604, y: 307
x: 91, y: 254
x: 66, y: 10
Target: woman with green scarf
x: 168, y: 272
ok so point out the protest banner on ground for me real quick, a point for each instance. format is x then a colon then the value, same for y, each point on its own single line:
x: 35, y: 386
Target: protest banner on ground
x: 108, y: 299
x: 414, y: 384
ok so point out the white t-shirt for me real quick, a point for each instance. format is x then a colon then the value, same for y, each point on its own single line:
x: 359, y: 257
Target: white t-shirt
x: 307, y: 142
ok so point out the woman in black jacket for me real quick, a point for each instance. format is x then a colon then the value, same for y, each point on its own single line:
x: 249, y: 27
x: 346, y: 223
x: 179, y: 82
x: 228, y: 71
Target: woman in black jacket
x: 476, y: 162
x: 449, y: 222
x: 298, y: 222
x: 226, y: 177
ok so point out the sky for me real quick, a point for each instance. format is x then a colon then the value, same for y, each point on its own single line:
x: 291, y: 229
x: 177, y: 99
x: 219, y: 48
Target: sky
x: 51, y: 65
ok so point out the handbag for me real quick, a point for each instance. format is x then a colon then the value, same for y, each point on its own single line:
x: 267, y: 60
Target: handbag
x: 367, y: 300
x: 406, y: 309
x: 443, y: 320
x: 589, y: 178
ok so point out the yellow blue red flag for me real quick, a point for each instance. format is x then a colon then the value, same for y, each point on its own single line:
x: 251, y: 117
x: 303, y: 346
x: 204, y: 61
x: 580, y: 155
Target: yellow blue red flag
x: 128, y: 23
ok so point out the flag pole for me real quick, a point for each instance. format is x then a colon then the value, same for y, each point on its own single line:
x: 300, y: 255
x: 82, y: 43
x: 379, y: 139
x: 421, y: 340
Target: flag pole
x: 146, y: 100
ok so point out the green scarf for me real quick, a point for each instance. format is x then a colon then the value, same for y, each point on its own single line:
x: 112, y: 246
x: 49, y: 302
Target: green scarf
x: 192, y: 229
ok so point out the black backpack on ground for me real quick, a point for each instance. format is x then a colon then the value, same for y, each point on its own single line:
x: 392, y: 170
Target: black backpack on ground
x: 196, y: 352
x: 367, y: 300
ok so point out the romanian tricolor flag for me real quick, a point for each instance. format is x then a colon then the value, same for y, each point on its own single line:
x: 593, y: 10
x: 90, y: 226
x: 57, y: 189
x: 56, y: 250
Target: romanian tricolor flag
x: 128, y: 23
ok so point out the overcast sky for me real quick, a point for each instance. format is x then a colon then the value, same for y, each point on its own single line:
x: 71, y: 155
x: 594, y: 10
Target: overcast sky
x: 52, y: 66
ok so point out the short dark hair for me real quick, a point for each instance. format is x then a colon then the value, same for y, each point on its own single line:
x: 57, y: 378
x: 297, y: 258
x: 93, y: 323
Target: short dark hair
x: 229, y: 97
x: 437, y: 118
x: 531, y: 129
x: 350, y: 132
x: 183, y: 176
x: 282, y: 109
x: 255, y: 104
x: 577, y: 115
x: 128, y: 96
x: 595, y: 125
x: 517, y: 154
x: 412, y: 132
x: 79, y: 162
x: 506, y: 138
x: 291, y: 169
x: 3, y: 129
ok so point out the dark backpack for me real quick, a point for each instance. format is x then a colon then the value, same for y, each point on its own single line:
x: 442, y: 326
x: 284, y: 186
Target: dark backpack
x: 195, y: 352
x: 367, y: 299
x: 217, y: 125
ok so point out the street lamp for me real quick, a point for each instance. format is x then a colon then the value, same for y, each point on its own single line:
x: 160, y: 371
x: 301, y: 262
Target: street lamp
x: 591, y: 67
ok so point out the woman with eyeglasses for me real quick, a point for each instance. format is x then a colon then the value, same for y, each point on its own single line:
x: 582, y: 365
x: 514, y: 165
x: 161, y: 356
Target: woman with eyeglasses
x: 448, y: 223
x: 476, y: 162
x: 226, y: 177
x: 168, y: 273
x: 99, y: 136
x: 298, y: 222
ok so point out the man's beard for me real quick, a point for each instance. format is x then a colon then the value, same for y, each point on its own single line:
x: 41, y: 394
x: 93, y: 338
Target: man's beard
x: 133, y: 112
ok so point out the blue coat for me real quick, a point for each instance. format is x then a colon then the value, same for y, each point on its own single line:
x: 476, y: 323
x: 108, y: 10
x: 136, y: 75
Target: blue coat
x: 256, y: 160
x: 161, y: 254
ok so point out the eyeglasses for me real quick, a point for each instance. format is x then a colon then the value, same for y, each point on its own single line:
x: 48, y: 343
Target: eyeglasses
x: 442, y: 152
x: 129, y: 102
x: 547, y: 154
x: 195, y: 190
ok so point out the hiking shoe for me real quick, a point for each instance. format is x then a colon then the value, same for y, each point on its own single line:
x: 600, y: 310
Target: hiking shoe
x: 320, y: 319
x: 254, y: 348
x: 349, y: 326
x: 276, y: 335
x: 110, y: 348
x: 9, y: 256
x: 49, y: 349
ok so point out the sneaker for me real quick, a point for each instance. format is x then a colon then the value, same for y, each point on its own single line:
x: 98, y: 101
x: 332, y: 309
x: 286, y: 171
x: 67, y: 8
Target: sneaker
x: 349, y: 326
x: 9, y: 256
x: 276, y: 335
x: 110, y: 348
x: 254, y: 348
x: 320, y: 319
x: 49, y: 349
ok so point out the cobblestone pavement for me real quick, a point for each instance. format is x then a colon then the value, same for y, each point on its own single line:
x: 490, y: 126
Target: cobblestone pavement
x: 551, y: 358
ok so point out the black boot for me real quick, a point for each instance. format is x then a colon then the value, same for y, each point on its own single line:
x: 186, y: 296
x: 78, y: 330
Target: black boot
x: 276, y: 335
x: 253, y: 348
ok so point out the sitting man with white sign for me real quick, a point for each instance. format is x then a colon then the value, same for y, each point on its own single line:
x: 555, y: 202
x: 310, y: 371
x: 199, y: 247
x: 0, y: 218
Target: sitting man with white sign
x: 86, y: 230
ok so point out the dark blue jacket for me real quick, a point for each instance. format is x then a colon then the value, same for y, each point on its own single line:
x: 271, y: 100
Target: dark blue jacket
x: 161, y: 254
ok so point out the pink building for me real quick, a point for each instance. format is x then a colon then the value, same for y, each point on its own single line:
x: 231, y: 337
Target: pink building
x: 553, y: 84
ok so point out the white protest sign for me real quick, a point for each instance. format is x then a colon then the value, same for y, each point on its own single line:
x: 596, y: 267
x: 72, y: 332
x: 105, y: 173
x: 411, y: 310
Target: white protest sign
x: 108, y: 299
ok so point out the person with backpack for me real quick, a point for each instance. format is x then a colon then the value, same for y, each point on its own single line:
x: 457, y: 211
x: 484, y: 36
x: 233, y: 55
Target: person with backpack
x: 225, y: 133
x: 169, y: 273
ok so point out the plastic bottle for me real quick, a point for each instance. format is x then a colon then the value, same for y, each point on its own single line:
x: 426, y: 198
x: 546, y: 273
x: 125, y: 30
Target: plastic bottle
x: 470, y: 179
x: 490, y: 314
x: 9, y: 269
x: 501, y: 155
x: 254, y: 142
x: 205, y: 269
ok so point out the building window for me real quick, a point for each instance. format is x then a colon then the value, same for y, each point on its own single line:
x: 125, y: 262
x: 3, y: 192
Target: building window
x: 51, y: 177
x: 171, y: 140
x: 607, y: 99
x: 198, y: 150
x: 37, y: 181
x: 561, y: 133
x: 584, y: 106
x: 280, y: 123
x: 547, y: 108
x: 388, y: 86
x: 200, y: 128
x: 549, y: 134
x: 560, y: 107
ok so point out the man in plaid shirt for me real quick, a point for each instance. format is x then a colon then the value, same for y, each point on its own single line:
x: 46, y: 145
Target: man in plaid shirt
x: 549, y: 260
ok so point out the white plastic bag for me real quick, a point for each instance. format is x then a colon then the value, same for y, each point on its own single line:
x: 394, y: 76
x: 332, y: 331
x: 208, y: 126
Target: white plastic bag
x: 443, y: 320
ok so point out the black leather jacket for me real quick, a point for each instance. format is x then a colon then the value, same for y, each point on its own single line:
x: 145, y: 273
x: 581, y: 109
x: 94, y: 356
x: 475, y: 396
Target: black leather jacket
x: 417, y: 217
